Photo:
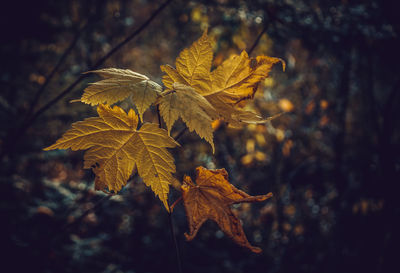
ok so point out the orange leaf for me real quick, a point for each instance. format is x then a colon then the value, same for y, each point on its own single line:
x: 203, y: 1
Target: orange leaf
x: 211, y: 198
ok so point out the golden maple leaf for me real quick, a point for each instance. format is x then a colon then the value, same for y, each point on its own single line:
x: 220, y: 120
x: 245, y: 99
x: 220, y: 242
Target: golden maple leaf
x: 116, y: 146
x: 118, y: 84
x: 184, y: 102
x: 211, y: 198
x: 194, y: 63
x: 235, y: 80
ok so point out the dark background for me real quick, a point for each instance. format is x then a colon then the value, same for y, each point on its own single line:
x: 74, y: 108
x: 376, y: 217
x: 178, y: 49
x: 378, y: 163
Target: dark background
x: 332, y: 161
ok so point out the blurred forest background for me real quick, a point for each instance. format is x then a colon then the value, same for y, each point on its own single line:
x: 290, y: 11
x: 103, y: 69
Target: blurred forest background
x: 332, y: 161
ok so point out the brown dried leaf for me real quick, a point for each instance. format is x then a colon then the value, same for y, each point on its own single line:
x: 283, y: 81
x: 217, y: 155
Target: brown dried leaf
x: 211, y: 198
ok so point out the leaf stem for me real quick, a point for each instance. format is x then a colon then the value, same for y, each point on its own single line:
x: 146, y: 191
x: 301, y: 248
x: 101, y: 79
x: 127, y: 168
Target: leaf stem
x: 158, y: 115
x: 165, y: 93
x: 172, y: 230
x: 171, y: 208
x: 180, y: 134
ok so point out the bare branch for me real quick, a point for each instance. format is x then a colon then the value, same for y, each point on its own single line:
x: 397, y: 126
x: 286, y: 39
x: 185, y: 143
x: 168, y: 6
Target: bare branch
x: 14, y: 136
x: 257, y: 40
x: 41, y: 90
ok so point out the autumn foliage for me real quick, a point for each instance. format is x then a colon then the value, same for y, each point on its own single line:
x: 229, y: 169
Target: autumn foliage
x: 119, y: 143
x: 210, y: 198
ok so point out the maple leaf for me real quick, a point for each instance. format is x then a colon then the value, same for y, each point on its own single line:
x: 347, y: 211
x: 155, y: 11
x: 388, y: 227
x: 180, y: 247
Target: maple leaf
x: 115, y: 146
x: 194, y: 63
x: 118, y: 84
x: 184, y: 102
x: 193, y: 66
x: 235, y: 80
x: 211, y: 198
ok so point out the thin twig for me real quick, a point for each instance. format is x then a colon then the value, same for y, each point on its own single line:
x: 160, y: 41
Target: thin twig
x: 101, y: 61
x: 171, y: 228
x: 158, y: 115
x: 96, y: 205
x: 257, y: 39
x: 64, y: 56
x: 170, y: 208
x: 80, y: 218
x: 178, y: 136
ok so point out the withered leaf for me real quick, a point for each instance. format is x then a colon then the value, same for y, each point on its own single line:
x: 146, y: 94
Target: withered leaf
x: 210, y: 198
x: 238, y: 77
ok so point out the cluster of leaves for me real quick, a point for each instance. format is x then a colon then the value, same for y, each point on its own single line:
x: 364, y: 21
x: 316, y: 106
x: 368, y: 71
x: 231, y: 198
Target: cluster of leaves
x: 118, y: 143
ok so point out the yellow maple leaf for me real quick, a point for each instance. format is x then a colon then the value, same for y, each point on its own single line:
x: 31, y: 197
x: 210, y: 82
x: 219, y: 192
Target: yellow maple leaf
x: 184, y: 102
x: 118, y: 84
x: 235, y: 80
x: 194, y: 63
x: 116, y: 146
x: 193, y: 66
